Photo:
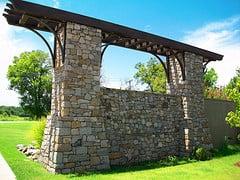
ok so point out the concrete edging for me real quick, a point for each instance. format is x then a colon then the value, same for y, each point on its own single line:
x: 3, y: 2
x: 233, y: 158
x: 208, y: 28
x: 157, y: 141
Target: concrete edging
x: 6, y: 172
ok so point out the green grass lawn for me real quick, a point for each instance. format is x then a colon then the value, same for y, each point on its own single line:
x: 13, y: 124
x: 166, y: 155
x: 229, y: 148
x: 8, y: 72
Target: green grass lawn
x: 13, y: 133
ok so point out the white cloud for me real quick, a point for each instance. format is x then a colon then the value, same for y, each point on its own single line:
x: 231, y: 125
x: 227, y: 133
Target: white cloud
x: 56, y: 3
x: 10, y: 46
x: 222, y: 37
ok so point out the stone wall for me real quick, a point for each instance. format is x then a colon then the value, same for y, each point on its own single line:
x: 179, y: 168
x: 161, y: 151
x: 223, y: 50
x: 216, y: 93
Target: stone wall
x: 75, y: 137
x: 92, y: 128
x: 140, y: 126
x: 194, y: 130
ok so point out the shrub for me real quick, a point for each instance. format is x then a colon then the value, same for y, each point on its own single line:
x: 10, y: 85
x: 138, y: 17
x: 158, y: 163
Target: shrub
x: 215, y: 93
x: 170, y: 161
x: 238, y: 138
x: 38, y: 132
x: 13, y: 118
x: 12, y: 111
x: 202, y: 154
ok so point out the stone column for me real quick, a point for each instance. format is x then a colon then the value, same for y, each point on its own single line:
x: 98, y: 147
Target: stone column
x: 193, y: 129
x: 75, y: 138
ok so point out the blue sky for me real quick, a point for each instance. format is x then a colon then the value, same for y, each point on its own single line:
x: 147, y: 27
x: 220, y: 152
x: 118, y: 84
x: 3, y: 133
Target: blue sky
x: 167, y: 18
x: 214, y: 25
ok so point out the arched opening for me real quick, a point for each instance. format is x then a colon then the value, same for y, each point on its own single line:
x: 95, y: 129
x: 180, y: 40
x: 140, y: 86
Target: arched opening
x: 119, y: 69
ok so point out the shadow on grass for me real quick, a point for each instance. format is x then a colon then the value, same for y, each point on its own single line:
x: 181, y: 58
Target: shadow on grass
x: 224, y: 151
x: 136, y: 167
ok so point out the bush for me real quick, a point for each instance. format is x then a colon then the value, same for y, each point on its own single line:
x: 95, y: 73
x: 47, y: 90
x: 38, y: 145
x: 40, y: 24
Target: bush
x: 12, y: 111
x: 172, y: 159
x: 38, y: 132
x: 238, y: 138
x: 13, y: 118
x: 202, y: 154
x: 169, y: 161
x: 215, y: 93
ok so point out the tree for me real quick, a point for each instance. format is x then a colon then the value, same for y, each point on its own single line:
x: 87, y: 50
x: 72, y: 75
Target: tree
x: 233, y: 92
x: 210, y: 86
x: 30, y: 76
x: 152, y: 73
x: 12, y: 111
x: 210, y: 78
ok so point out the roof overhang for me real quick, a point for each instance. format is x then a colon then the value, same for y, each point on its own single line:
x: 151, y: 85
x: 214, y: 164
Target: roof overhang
x: 114, y: 34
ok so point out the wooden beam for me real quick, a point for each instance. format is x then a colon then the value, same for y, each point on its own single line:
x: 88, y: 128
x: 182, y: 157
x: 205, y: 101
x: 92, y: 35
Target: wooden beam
x: 23, y: 19
x: 132, y: 43
x: 149, y: 48
x: 155, y: 47
x: 42, y: 24
x: 9, y: 5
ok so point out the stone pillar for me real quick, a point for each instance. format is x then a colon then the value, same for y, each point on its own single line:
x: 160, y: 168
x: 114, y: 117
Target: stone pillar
x: 193, y: 129
x: 75, y: 138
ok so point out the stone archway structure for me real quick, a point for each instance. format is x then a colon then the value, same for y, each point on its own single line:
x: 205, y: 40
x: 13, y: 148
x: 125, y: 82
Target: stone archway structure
x: 92, y: 128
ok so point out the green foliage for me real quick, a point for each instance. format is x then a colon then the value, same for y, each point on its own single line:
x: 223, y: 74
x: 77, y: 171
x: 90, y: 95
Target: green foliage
x: 233, y: 92
x: 238, y: 137
x: 12, y: 111
x: 233, y: 119
x: 171, y: 160
x: 38, y: 132
x: 13, y: 118
x: 152, y: 73
x: 227, y: 149
x: 202, y: 154
x: 210, y: 78
x: 211, y: 91
x: 30, y: 76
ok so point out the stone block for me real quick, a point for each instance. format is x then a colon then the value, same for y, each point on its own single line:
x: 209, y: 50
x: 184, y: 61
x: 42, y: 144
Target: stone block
x: 85, y: 130
x: 57, y: 157
x: 62, y: 147
x: 104, y: 143
x: 81, y: 150
x: 91, y: 138
x: 94, y: 161
x: 75, y: 124
x: 116, y: 155
x: 69, y: 165
x: 74, y: 131
x: 63, y: 131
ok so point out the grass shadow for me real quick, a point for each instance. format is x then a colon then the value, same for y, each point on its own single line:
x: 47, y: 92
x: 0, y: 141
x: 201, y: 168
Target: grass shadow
x: 224, y: 151
x: 137, y: 167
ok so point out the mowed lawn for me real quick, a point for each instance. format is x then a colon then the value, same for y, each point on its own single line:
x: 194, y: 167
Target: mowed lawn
x: 13, y: 133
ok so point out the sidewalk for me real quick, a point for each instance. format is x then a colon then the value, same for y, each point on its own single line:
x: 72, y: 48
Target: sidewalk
x: 5, y: 171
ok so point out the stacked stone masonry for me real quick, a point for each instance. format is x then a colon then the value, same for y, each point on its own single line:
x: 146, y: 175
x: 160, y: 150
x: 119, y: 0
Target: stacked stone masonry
x: 92, y: 128
x: 193, y: 128
x: 140, y: 126
x: 75, y: 137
